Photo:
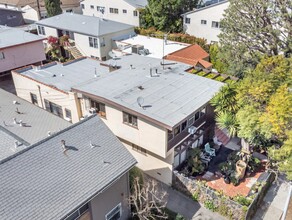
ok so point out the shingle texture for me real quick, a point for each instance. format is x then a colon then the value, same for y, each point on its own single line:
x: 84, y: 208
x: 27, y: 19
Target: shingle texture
x: 37, y: 123
x: 12, y: 36
x: 88, y: 25
x: 45, y: 183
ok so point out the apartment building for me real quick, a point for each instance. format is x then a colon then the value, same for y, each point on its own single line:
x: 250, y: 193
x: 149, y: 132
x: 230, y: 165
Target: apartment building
x: 91, y: 36
x: 19, y: 48
x: 36, y: 10
x: 124, y: 11
x: 205, y: 22
x: 80, y: 172
x: 156, y: 111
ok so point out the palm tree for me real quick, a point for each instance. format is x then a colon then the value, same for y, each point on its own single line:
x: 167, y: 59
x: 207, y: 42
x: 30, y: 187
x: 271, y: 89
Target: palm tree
x: 228, y: 121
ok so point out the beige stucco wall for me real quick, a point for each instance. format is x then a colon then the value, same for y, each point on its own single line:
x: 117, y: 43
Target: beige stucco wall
x: 197, y: 29
x: 127, y: 18
x: 109, y: 199
x: 22, y: 55
x: 24, y: 86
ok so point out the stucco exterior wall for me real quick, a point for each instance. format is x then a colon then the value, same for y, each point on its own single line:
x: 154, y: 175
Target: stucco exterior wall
x: 22, y: 55
x: 214, y: 13
x: 24, y: 86
x: 127, y: 18
x: 110, y: 198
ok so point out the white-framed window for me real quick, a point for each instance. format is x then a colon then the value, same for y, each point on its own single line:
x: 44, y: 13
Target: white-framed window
x: 93, y: 42
x: 78, y: 212
x: 139, y: 149
x: 191, y: 121
x: 34, y: 98
x: 91, y: 6
x: 2, y: 56
x: 100, y: 8
x: 124, y: 11
x: 187, y: 20
x: 68, y: 113
x: 115, y: 213
x: 135, y: 13
x: 130, y: 119
x: 41, y: 30
x: 102, y: 42
x: 215, y: 24
x: 204, y: 22
x: 99, y: 107
x: 114, y: 10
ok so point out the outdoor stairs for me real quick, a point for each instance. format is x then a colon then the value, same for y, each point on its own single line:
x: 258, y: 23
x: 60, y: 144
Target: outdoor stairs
x: 75, y: 52
x: 222, y: 136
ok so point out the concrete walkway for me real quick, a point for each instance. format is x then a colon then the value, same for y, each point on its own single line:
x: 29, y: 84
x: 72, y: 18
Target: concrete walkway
x: 191, y: 210
x: 274, y: 202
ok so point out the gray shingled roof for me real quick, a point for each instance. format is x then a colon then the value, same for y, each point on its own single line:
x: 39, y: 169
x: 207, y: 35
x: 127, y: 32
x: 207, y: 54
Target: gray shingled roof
x: 38, y: 122
x: 206, y: 7
x: 13, y: 36
x: 88, y: 25
x: 45, y: 183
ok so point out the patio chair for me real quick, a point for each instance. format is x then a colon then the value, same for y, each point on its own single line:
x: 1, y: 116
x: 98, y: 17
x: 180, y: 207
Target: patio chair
x: 209, y: 150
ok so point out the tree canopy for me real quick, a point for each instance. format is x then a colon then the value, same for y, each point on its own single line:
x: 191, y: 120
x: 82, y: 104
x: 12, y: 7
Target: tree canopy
x: 53, y: 7
x: 259, y: 107
x: 253, y: 28
x: 165, y: 15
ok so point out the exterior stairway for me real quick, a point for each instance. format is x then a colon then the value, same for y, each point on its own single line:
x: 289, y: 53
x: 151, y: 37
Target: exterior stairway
x: 222, y: 136
x: 74, y: 52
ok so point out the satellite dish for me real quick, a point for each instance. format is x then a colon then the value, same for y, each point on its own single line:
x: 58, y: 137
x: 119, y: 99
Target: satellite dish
x: 140, y: 101
x: 112, y: 55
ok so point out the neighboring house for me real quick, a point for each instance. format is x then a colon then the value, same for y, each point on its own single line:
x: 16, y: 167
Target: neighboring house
x: 157, y: 113
x: 205, y: 22
x: 19, y: 48
x: 32, y: 10
x: 80, y: 172
x: 92, y: 36
x: 193, y: 55
x: 11, y: 17
x: 125, y: 11
x: 23, y: 124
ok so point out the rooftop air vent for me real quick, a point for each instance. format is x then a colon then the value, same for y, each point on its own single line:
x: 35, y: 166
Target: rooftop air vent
x: 141, y: 87
x: 63, y: 145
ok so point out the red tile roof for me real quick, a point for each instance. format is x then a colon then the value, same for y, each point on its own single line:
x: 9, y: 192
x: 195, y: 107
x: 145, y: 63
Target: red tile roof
x: 191, y: 55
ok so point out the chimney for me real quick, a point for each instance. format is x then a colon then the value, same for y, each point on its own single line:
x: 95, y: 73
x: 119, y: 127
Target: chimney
x: 63, y: 145
x: 14, y: 121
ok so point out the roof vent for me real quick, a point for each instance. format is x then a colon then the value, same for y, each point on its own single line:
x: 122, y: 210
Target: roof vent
x: 16, y: 144
x: 20, y: 123
x: 95, y: 73
x: 141, y: 87
x: 61, y: 74
x: 15, y: 102
x: 93, y: 145
x: 63, y: 145
x: 54, y: 75
x: 49, y: 133
x: 83, y: 22
x: 140, y: 101
x: 14, y: 121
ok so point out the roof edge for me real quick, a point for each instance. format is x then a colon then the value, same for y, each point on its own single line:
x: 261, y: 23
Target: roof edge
x: 206, y: 7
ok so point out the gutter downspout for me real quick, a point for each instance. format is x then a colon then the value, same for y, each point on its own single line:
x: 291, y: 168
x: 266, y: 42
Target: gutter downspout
x: 39, y: 88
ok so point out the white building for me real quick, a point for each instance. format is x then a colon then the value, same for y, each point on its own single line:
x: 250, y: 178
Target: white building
x: 205, y: 22
x: 157, y: 113
x: 34, y: 12
x: 91, y: 36
x: 125, y: 11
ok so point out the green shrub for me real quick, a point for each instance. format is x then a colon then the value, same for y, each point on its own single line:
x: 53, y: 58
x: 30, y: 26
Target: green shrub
x: 210, y: 205
x: 201, y: 73
x: 196, y: 196
x: 210, y: 76
x: 220, y: 78
x: 242, y: 200
x: 179, y: 217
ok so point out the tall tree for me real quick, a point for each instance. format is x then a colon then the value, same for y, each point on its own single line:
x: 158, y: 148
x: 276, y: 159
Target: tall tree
x: 252, y: 28
x: 165, y: 15
x: 53, y: 7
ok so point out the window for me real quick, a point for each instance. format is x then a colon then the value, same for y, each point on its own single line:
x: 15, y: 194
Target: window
x: 135, y: 13
x: 68, y: 113
x: 94, y: 57
x: 115, y: 213
x: 124, y: 11
x: 99, y: 107
x: 34, y: 99
x: 203, y: 112
x: 41, y: 30
x: 114, y: 10
x: 191, y: 121
x: 130, y: 119
x: 91, y: 7
x: 82, y: 6
x: 215, y: 24
x: 102, y: 42
x: 169, y: 135
x: 93, y: 42
x: 183, y: 125
x: 188, y: 20
x: 176, y: 130
x: 139, y: 149
x: 204, y: 22
x: 76, y: 214
x: 2, y: 56
x: 197, y: 115
x: 53, y: 108
x: 100, y: 8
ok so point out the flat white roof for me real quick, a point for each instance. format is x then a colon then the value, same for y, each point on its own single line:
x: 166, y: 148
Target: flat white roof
x: 154, y: 45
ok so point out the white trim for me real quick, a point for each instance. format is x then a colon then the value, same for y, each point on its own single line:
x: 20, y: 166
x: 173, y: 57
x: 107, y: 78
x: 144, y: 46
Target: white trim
x: 287, y: 203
